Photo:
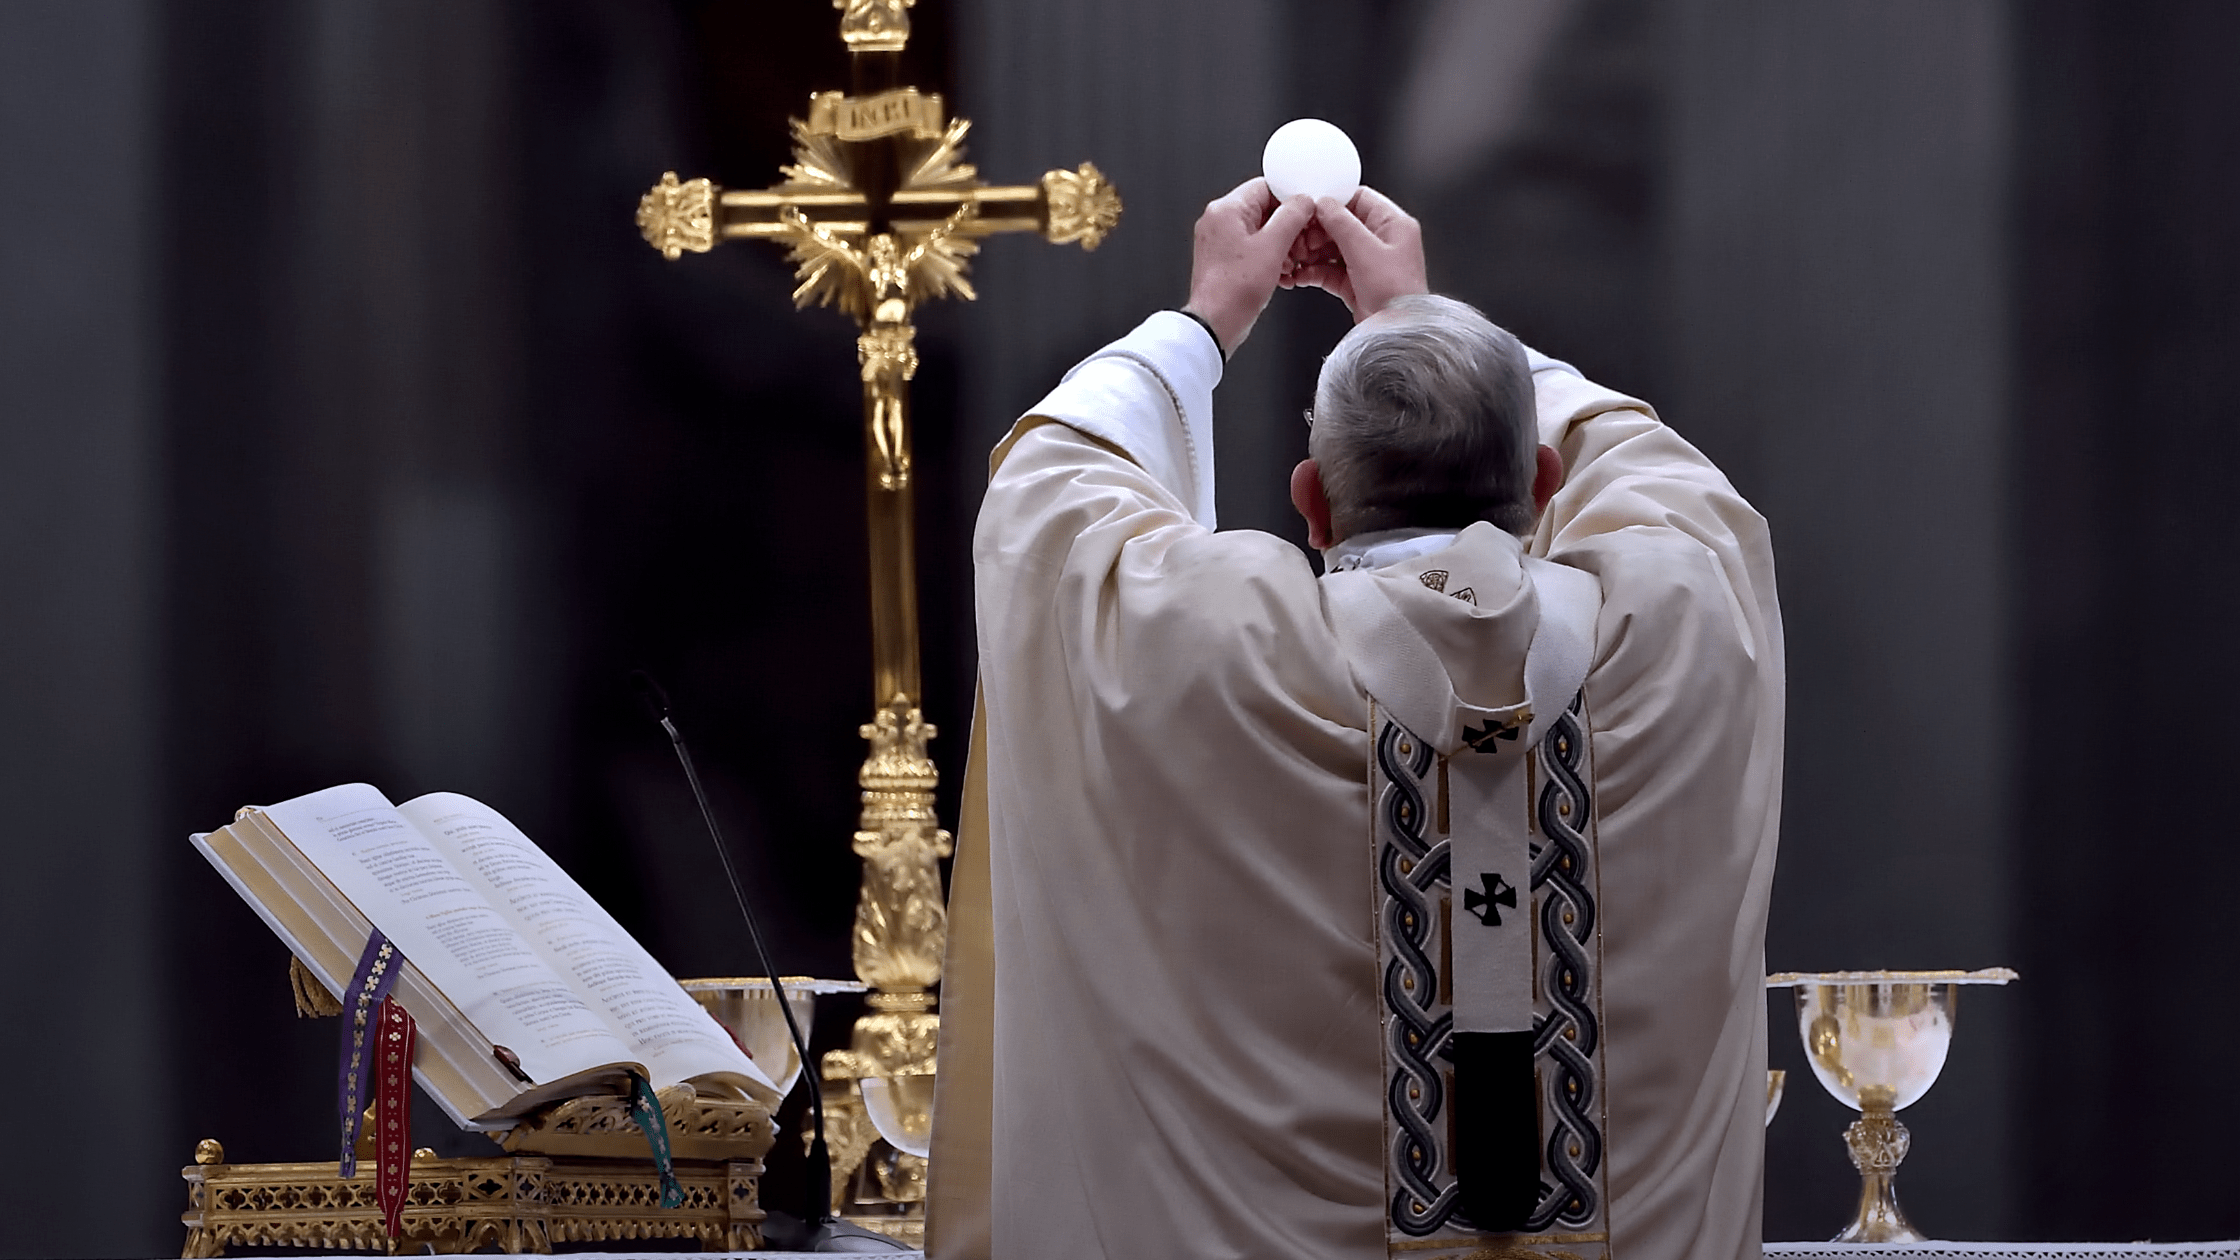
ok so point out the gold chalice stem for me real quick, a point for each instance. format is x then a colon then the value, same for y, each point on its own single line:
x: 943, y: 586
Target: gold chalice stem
x: 1878, y: 1143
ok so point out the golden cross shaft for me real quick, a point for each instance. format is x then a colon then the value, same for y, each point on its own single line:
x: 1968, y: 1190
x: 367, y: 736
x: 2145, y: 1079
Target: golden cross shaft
x: 879, y: 212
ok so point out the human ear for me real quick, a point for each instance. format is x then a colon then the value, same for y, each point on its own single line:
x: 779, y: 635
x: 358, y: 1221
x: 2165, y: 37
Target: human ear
x: 1547, y: 478
x: 1313, y: 504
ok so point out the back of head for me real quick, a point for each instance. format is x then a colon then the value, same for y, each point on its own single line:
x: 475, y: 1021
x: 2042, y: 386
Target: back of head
x: 1424, y: 418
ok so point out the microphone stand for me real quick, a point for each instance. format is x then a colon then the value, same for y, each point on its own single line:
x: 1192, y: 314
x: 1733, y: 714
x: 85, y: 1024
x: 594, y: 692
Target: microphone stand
x: 819, y: 1221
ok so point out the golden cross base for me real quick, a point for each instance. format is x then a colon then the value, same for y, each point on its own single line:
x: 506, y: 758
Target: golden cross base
x: 577, y: 1172
x: 874, y: 1185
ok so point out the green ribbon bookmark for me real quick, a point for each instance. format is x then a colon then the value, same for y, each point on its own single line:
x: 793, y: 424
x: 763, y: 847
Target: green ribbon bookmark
x: 646, y: 1110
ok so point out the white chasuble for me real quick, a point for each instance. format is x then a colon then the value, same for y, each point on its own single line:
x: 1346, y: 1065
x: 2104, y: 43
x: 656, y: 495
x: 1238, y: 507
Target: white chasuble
x: 1171, y: 1000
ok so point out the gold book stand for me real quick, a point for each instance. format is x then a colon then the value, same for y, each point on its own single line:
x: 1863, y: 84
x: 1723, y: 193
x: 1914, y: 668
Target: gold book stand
x: 578, y: 1171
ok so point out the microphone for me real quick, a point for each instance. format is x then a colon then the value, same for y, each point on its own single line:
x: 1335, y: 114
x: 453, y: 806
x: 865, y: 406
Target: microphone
x: 819, y: 1214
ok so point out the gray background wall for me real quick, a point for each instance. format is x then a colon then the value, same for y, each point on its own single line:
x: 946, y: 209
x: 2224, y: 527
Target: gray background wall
x: 347, y: 431
x: 1837, y: 336
x: 80, y: 566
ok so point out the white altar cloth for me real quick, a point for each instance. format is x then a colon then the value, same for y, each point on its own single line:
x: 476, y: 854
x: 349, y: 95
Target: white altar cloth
x: 2005, y: 1249
x: 1772, y: 1252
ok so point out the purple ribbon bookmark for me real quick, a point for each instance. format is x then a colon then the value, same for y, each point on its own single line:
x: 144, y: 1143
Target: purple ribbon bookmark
x: 376, y: 975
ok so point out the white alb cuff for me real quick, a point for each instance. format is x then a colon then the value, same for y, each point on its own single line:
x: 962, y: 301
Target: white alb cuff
x: 1151, y: 394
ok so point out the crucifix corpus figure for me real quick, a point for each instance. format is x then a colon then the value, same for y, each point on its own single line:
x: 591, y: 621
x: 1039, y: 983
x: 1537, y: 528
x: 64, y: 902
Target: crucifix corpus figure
x: 880, y: 213
x: 1188, y: 1011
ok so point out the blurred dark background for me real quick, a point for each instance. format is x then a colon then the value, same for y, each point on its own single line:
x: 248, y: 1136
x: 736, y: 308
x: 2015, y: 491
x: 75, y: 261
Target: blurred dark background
x: 348, y: 431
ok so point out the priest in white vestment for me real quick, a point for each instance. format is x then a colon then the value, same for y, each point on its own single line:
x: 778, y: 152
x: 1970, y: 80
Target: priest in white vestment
x: 1162, y: 1021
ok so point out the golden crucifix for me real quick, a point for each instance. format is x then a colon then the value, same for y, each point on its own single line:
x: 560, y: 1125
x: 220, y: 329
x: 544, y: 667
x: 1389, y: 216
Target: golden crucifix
x: 880, y: 213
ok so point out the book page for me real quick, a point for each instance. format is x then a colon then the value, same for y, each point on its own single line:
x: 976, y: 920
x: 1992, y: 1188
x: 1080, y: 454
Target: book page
x: 450, y: 930
x: 664, y: 1029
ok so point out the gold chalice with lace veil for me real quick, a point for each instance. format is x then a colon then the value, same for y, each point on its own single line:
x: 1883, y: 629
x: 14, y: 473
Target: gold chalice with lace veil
x: 1877, y: 1040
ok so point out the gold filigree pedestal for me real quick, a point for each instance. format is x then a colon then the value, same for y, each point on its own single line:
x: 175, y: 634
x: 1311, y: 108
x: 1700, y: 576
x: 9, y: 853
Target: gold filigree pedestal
x: 577, y: 1172
x: 879, y: 213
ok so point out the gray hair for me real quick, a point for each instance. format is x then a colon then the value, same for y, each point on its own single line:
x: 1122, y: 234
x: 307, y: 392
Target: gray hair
x: 1424, y: 416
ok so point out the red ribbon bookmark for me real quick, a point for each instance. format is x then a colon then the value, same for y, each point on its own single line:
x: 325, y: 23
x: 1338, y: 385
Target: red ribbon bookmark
x: 392, y: 1112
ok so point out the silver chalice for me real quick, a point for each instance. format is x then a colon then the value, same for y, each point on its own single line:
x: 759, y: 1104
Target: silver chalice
x: 1876, y: 1040
x: 747, y: 1006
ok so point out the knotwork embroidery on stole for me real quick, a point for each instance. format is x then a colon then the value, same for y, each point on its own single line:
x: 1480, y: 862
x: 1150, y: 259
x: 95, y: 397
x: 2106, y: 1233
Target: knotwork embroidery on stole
x: 1432, y: 817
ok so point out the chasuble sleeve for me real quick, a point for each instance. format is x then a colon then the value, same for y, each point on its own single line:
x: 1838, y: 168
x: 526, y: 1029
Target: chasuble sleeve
x: 1687, y: 698
x: 1149, y: 395
x: 1098, y: 525
x: 1626, y: 470
x: 1137, y: 667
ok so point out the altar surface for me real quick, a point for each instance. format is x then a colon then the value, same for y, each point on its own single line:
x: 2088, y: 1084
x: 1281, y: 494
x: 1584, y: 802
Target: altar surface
x: 2229, y: 1250
x: 2005, y: 1249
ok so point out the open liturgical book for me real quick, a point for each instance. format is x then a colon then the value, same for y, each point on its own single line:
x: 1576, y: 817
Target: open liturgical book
x: 504, y: 952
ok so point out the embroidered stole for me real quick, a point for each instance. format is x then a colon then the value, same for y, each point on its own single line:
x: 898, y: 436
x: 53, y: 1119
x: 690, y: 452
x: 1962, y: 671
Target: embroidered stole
x: 1490, y: 966
x: 1543, y: 800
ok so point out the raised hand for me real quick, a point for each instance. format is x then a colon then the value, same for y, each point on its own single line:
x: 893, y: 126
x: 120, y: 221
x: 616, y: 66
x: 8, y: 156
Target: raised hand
x: 1240, y: 252
x: 1366, y: 254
